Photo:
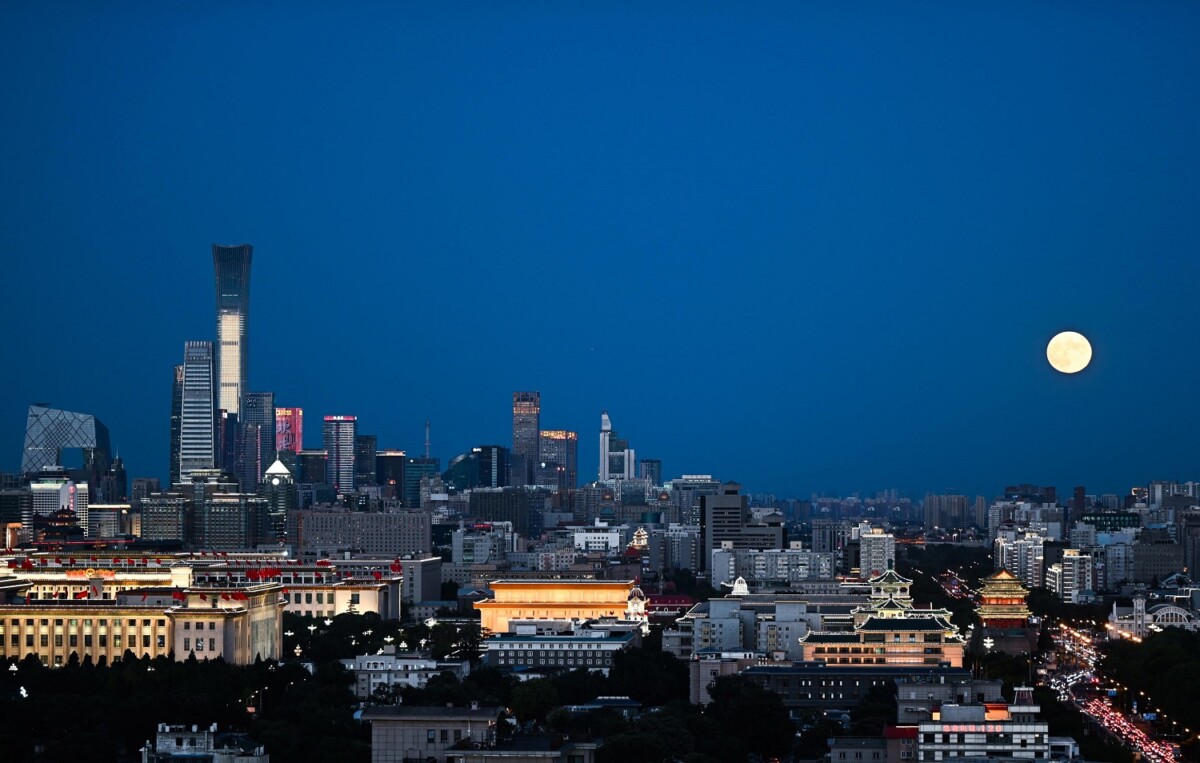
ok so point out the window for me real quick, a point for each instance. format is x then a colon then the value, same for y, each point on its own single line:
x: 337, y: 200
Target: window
x: 445, y: 735
x: 212, y: 645
x: 187, y: 645
x: 430, y: 736
x: 212, y: 625
x: 187, y: 626
x: 199, y: 645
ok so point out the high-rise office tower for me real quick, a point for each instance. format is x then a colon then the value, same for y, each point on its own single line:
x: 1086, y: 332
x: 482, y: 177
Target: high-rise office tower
x: 483, y: 466
x: 289, y: 429
x: 313, y: 466
x: 232, y: 265
x: 364, y: 459
x: 247, y: 465
x: 258, y: 408
x: 617, y: 459
x: 49, y: 431
x: 414, y: 470
x: 652, y: 470
x: 176, y: 421
x: 197, y: 441
x: 558, y: 467
x: 527, y: 409
x: 389, y: 472
x: 338, y: 439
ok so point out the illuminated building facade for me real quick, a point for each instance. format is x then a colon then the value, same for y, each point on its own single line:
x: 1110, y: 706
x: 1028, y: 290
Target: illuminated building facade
x: 289, y: 429
x: 232, y: 266
x: 338, y: 436
x: 237, y: 624
x: 552, y: 600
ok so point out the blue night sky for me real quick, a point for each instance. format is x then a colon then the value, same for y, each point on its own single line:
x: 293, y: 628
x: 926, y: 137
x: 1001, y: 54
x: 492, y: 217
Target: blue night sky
x: 808, y: 247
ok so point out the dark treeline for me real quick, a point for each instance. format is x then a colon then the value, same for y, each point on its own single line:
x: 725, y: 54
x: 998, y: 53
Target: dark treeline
x: 83, y: 711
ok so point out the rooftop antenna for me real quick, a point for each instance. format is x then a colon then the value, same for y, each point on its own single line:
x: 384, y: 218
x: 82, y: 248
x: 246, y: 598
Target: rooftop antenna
x: 426, y: 438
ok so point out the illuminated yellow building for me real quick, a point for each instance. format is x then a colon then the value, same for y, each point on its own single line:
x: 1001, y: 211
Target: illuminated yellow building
x: 552, y: 600
x: 320, y: 589
x: 235, y: 623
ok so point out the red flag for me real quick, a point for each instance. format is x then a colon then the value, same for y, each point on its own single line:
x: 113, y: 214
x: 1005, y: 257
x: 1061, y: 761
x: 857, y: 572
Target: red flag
x: 81, y: 595
x: 43, y: 561
x: 285, y: 590
x: 12, y: 563
x: 239, y: 596
x: 93, y: 558
x: 158, y: 561
x: 377, y: 575
x: 177, y: 595
x: 133, y: 561
x: 203, y: 597
x: 57, y: 560
x: 225, y: 596
x: 323, y: 563
x: 395, y: 567
x: 72, y: 560
x: 144, y: 596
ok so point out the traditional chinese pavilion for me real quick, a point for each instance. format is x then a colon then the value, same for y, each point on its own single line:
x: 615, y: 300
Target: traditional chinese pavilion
x: 1004, y: 615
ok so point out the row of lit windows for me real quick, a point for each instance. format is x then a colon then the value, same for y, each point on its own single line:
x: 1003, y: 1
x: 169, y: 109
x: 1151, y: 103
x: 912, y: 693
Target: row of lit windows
x: 212, y: 645
x: 73, y: 622
x: 71, y: 641
x: 556, y: 661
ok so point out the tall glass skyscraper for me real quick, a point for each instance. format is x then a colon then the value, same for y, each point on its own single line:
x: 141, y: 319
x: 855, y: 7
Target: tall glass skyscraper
x: 258, y: 409
x: 527, y: 409
x: 232, y: 265
x: 176, y: 423
x: 197, y: 440
x: 338, y: 438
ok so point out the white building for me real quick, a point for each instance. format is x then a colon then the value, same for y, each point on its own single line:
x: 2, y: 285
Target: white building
x: 1072, y: 577
x: 399, y: 670
x: 980, y: 732
x: 601, y: 537
x: 770, y: 568
x: 877, y: 552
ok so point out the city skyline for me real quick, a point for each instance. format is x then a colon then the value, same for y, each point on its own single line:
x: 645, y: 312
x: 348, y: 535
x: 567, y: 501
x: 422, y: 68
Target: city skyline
x: 823, y: 260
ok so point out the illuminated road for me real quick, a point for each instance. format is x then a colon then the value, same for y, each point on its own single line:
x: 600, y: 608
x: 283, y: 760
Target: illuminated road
x: 1076, y: 681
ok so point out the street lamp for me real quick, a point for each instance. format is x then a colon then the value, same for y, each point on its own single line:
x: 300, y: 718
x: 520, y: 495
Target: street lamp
x: 297, y: 650
x: 311, y: 629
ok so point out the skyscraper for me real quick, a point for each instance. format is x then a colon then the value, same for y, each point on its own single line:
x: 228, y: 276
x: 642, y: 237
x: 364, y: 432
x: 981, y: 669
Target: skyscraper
x: 527, y: 409
x: 558, y: 467
x: 338, y: 438
x: 232, y: 265
x: 416, y: 468
x: 258, y: 408
x: 176, y: 420
x: 389, y: 472
x: 197, y: 446
x: 617, y: 459
x: 289, y: 429
x: 652, y: 470
x: 364, y: 459
x: 49, y: 431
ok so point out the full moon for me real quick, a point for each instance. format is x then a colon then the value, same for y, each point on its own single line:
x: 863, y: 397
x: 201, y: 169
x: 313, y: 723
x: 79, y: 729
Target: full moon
x: 1069, y: 352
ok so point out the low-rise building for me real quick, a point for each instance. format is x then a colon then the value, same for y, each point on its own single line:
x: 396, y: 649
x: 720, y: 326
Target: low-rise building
x: 981, y: 731
x: 399, y: 670
x: 548, y: 599
x: 586, y: 650
x: 198, y: 744
x: 402, y: 734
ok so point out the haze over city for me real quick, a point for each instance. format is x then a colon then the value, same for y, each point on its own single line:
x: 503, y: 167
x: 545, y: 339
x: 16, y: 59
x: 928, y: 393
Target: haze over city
x: 778, y: 245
